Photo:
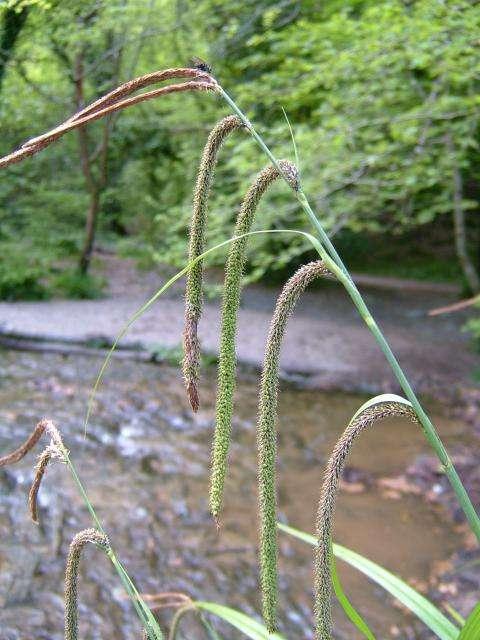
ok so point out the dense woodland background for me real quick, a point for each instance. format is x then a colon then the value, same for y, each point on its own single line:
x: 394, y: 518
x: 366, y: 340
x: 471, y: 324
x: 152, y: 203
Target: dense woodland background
x: 382, y: 95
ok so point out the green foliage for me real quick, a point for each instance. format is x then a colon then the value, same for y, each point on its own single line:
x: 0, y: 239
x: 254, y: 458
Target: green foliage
x: 346, y: 605
x: 471, y: 630
x: 473, y: 327
x: 22, y: 277
x: 73, y: 284
x: 372, y: 89
x: 246, y: 624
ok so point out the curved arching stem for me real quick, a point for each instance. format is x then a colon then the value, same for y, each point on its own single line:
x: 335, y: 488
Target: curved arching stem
x: 194, y: 287
x: 371, y: 412
x: 230, y: 305
x: 266, y: 434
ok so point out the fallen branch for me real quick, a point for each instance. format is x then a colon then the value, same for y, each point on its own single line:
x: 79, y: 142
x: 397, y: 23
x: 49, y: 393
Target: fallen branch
x: 457, y: 306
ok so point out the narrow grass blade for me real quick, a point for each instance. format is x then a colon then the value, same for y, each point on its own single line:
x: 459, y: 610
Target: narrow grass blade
x: 381, y: 399
x: 146, y: 616
x: 248, y: 626
x: 453, y: 613
x: 347, y: 606
x: 211, y: 631
x: 471, y: 630
x: 427, y: 612
x: 295, y: 148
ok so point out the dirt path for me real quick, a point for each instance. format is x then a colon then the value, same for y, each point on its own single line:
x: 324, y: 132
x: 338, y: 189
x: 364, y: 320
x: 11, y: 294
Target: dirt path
x: 326, y: 340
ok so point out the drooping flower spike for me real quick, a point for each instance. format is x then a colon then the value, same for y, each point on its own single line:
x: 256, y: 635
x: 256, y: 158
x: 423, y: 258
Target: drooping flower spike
x: 230, y: 305
x: 194, y: 288
x: 40, y: 469
x: 79, y: 541
x: 119, y: 98
x: 371, y: 412
x: 56, y: 449
x: 266, y: 434
x: 23, y: 449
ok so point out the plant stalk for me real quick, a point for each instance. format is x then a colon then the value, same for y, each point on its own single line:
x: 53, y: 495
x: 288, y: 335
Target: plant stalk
x: 141, y: 608
x: 333, y: 261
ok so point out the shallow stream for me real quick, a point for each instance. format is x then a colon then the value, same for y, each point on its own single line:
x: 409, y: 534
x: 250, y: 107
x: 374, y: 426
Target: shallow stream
x: 145, y: 465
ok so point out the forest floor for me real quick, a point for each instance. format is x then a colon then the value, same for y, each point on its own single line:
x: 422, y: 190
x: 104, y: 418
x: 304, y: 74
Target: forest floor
x: 327, y: 345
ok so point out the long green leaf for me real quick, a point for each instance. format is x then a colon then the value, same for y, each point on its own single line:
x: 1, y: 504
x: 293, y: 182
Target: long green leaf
x: 347, y: 606
x: 427, y: 612
x: 248, y: 626
x: 211, y: 631
x: 471, y: 630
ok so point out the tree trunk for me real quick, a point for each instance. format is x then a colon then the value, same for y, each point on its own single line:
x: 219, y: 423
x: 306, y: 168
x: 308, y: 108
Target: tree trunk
x: 90, y: 228
x: 461, y: 245
x: 92, y: 184
x: 12, y: 25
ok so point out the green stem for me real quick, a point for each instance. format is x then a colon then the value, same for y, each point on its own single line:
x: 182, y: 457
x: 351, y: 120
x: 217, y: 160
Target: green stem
x: 334, y: 262
x: 143, y: 612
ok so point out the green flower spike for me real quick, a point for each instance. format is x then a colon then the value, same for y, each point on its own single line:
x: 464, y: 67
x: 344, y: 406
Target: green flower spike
x: 266, y: 435
x: 231, y: 302
x: 194, y: 289
x: 371, y: 412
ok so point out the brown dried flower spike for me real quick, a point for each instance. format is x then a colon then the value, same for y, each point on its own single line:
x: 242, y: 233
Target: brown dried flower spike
x: 21, y: 452
x: 44, y: 425
x: 40, y: 469
x: 115, y: 101
x: 56, y: 449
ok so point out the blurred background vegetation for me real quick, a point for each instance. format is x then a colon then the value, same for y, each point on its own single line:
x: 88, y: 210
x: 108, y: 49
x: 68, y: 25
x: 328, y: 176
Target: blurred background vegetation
x: 382, y: 96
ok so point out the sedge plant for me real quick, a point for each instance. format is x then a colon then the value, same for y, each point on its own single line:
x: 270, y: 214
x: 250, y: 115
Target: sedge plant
x: 200, y: 79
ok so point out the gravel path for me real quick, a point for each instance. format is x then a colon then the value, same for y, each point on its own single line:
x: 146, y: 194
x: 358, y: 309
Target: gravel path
x: 326, y: 340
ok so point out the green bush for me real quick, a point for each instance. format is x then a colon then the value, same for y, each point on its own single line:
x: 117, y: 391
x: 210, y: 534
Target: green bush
x: 22, y: 278
x: 72, y: 284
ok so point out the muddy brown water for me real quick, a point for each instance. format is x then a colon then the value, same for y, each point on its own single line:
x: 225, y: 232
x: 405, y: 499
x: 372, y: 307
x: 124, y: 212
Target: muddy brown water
x: 145, y: 465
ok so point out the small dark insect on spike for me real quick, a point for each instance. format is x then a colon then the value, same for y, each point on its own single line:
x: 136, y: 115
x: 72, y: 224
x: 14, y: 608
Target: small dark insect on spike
x: 201, y: 65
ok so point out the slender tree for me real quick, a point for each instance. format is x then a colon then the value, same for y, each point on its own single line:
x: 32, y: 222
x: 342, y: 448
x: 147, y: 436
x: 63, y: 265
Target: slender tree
x: 13, y: 20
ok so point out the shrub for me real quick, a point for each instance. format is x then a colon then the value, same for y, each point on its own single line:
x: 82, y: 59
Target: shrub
x: 22, y: 278
x: 73, y: 284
